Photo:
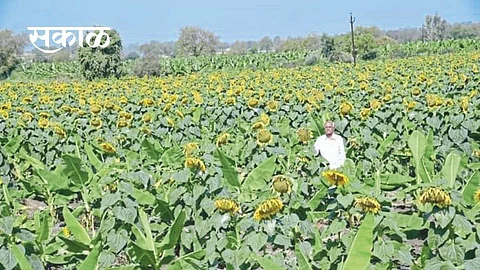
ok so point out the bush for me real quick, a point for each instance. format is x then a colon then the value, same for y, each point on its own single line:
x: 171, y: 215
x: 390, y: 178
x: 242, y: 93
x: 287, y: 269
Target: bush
x: 149, y: 66
x: 99, y: 62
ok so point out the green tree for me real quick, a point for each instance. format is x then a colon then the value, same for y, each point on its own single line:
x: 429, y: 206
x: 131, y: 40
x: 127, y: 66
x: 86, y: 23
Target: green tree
x: 434, y: 28
x: 11, y: 47
x: 100, y: 62
x: 196, y: 41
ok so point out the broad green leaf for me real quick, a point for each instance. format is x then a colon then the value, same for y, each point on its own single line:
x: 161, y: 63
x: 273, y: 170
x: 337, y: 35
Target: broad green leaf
x: 303, y: 262
x: 229, y: 172
x: 172, y: 156
x: 92, y: 158
x: 36, y: 164
x: 20, y: 258
x: 409, y: 222
x: 74, y: 169
x: 453, y: 253
x: 143, y: 197
x: 54, y: 181
x: 173, y: 234
x: 197, y: 114
x: 382, y: 149
x: 79, y: 233
x: 473, y: 184
x: 451, y: 168
x: 417, y: 144
x: 317, y: 198
x: 73, y: 246
x: 258, y: 178
x: 361, y: 250
x: 152, y: 152
x: 42, y: 230
x: 267, y: 263
x: 12, y: 146
x: 146, y: 228
x: 141, y: 239
x: 396, y: 179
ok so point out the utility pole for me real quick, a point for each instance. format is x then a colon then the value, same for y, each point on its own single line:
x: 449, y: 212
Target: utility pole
x: 354, y: 52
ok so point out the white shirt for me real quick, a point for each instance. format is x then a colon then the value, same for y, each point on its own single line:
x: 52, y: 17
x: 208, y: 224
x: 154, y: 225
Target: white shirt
x: 332, y: 149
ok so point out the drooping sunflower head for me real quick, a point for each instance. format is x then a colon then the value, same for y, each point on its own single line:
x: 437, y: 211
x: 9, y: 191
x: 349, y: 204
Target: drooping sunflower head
x: 195, y: 163
x: 368, y: 204
x: 227, y: 205
x: 253, y: 103
x: 59, y: 131
x: 230, y: 101
x: 122, y: 123
x: 387, y: 97
x: 27, y: 117
x: 264, y: 137
x: 223, y: 139
x: 464, y: 103
x: 95, y: 108
x: 189, y: 149
x: 265, y: 119
x: 147, y: 117
x: 335, y: 178
x: 43, y: 122
x: 281, y: 184
x: 107, y: 147
x: 436, y: 196
x: 258, y: 125
x: 267, y: 209
x: 96, y: 122
x: 345, y: 108
x: 416, y: 91
x: 375, y: 104
x: 272, y: 105
x: 304, y: 135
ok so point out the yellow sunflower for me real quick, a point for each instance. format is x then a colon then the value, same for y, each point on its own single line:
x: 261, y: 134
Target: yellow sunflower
x: 304, y: 135
x: 435, y: 196
x: 335, y: 178
x: 107, y: 147
x: 368, y: 204
x: 222, y: 139
x: 268, y: 209
x: 227, y: 205
x: 264, y: 137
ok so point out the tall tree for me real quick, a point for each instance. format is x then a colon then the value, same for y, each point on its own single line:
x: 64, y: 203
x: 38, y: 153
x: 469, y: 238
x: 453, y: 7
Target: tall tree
x: 265, y: 44
x: 434, y: 28
x: 196, y: 41
x: 11, y: 47
x: 102, y: 62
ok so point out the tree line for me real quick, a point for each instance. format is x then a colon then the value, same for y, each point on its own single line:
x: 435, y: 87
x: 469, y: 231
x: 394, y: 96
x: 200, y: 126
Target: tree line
x: 195, y: 41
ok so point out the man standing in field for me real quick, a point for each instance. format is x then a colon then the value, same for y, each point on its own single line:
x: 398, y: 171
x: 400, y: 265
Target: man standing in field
x: 330, y: 146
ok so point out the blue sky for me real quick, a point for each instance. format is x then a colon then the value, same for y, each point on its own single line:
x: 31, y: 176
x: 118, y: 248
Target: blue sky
x: 145, y: 20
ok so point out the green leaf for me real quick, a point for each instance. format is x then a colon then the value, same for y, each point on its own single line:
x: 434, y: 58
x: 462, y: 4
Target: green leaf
x: 150, y: 149
x: 382, y: 149
x: 74, y: 169
x: 74, y: 246
x: 317, y: 198
x: 361, y: 249
x: 229, y: 172
x: 173, y: 234
x: 141, y: 239
x: 92, y: 158
x: 36, y: 164
x: 197, y: 114
x: 472, y: 264
x: 54, y: 181
x: 12, y: 146
x: 42, y: 230
x: 20, y: 258
x: 146, y: 228
x: 395, y: 179
x: 303, y: 262
x: 92, y: 259
x: 267, y: 263
x: 143, y: 197
x: 417, y: 144
x: 256, y: 240
x: 451, y: 168
x: 471, y: 187
x: 257, y: 179
x: 452, y: 252
x: 172, y: 157
x: 79, y: 233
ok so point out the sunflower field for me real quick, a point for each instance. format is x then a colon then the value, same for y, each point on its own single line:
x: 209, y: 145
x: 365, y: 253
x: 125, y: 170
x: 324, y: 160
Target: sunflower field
x: 217, y: 171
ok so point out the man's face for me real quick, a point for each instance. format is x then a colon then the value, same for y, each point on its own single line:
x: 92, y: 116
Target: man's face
x: 329, y: 128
